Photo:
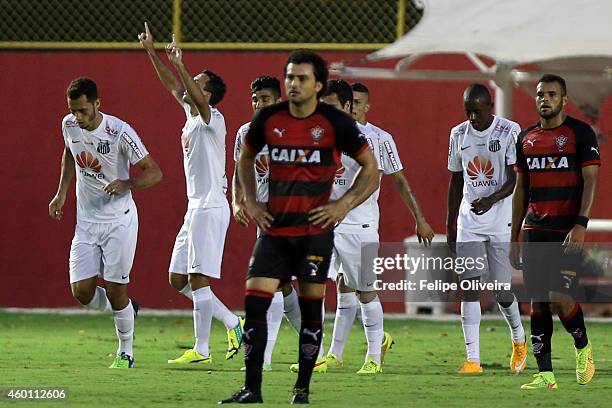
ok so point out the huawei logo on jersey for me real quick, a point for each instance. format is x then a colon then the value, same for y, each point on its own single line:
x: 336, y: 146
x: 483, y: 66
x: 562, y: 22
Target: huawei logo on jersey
x: 480, y: 171
x: 85, y: 160
x: 338, y: 180
x: 340, y: 172
x: 262, y: 165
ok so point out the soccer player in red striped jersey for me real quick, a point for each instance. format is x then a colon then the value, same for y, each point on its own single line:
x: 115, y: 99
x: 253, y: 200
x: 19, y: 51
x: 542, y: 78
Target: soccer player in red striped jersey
x: 557, y: 165
x: 305, y: 139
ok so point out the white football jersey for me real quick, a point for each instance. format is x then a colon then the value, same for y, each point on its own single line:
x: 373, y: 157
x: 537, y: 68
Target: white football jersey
x: 483, y: 157
x: 101, y: 156
x: 204, y: 159
x: 389, y: 156
x: 364, y: 217
x: 262, y: 164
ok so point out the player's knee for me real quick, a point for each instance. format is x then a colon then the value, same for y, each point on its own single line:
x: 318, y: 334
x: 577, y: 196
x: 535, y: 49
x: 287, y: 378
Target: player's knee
x: 471, y: 295
x: 366, y: 297
x: 504, y: 298
x: 540, y: 307
x: 177, y: 281
x: 82, y: 294
x: 287, y: 288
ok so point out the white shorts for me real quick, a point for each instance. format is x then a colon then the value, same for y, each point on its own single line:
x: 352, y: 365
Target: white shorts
x: 492, y: 250
x: 198, y: 247
x: 104, y: 249
x: 346, y: 260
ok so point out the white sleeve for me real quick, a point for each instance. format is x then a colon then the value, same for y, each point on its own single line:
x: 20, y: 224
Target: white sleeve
x: 511, y: 148
x: 454, y: 158
x: 375, y: 147
x: 131, y: 145
x: 390, y: 156
x: 238, y: 144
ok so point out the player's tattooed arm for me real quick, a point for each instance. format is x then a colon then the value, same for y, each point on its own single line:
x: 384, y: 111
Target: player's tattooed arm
x: 195, y: 93
x: 455, y: 195
x: 483, y: 204
x: 424, y: 231
x: 520, y: 200
x: 246, y: 176
x: 364, y: 185
x: 575, y: 238
x: 165, y: 74
x: 66, y: 174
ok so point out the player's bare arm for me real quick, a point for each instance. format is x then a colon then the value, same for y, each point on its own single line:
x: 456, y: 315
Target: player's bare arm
x: 175, y: 55
x: 167, y: 78
x: 238, y: 207
x: 66, y: 174
x: 483, y: 204
x: 365, y: 184
x: 575, y: 238
x: 150, y: 175
x: 455, y: 195
x: 423, y: 230
x: 520, y: 200
x: 246, y: 175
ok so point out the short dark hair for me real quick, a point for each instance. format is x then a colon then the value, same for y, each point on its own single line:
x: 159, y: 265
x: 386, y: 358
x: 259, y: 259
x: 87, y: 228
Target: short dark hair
x: 341, y: 88
x: 82, y: 86
x: 359, y: 87
x: 266, y: 82
x: 477, y: 91
x: 215, y: 86
x: 548, y: 78
x: 319, y: 65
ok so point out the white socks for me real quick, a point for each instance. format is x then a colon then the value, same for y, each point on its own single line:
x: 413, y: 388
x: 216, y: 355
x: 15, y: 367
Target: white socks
x: 345, y: 315
x: 470, y: 321
x: 274, y: 318
x: 202, y: 318
x: 513, y: 318
x: 292, y: 310
x: 372, y: 314
x: 220, y: 311
x: 99, y: 301
x: 124, y: 327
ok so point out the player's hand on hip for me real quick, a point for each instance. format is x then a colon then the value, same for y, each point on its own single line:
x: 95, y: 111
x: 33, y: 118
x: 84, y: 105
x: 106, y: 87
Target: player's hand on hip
x: 482, y: 205
x: 424, y: 232
x: 574, y: 241
x: 515, y: 255
x: 55, y: 207
x: 146, y: 39
x: 258, y: 213
x: 329, y: 214
x: 240, y: 213
x: 118, y: 187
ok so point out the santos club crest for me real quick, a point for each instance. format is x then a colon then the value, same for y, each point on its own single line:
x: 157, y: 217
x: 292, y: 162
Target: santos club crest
x: 316, y: 133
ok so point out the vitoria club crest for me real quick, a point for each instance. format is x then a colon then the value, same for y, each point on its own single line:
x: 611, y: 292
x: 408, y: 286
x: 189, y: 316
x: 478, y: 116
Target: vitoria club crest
x: 561, y: 141
x: 316, y: 133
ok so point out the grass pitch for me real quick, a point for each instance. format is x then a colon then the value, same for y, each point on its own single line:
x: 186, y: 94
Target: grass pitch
x: 73, y: 352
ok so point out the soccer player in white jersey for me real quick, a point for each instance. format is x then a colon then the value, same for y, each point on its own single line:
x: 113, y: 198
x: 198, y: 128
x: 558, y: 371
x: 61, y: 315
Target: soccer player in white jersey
x: 362, y: 226
x: 481, y: 157
x: 198, y: 249
x: 265, y: 91
x: 104, y: 147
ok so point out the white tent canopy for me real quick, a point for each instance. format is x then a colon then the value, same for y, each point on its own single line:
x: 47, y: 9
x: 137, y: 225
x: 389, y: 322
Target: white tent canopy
x: 569, y: 37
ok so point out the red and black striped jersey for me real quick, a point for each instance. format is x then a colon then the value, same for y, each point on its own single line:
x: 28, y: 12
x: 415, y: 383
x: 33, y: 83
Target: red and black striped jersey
x: 304, y: 156
x: 552, y: 160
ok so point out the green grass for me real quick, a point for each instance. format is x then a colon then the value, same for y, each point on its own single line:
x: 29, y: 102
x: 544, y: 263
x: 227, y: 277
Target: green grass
x: 74, y: 352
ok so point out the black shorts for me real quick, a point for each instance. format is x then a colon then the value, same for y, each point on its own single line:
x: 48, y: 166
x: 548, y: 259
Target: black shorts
x: 305, y: 257
x: 546, y: 266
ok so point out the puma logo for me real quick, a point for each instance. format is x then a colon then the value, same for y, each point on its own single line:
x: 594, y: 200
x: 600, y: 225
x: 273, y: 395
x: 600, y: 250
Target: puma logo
x: 595, y: 150
x: 247, y: 334
x: 530, y: 142
x: 312, y: 334
x: 279, y: 132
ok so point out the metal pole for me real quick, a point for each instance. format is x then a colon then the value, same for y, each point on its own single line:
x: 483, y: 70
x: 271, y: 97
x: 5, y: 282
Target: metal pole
x: 503, y: 83
x: 176, y: 20
x: 401, y: 18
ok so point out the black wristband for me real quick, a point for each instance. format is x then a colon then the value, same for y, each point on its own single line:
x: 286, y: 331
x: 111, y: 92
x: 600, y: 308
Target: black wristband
x: 582, y: 220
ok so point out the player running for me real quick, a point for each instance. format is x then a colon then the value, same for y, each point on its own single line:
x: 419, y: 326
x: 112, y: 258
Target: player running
x: 103, y: 147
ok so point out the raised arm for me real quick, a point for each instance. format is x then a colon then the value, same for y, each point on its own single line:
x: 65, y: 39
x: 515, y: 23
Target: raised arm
x: 196, y: 94
x: 167, y: 78
x: 66, y: 174
x: 423, y: 229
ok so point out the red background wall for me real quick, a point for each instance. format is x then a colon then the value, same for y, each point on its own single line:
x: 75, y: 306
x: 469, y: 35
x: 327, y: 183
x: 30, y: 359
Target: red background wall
x: 34, y: 249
